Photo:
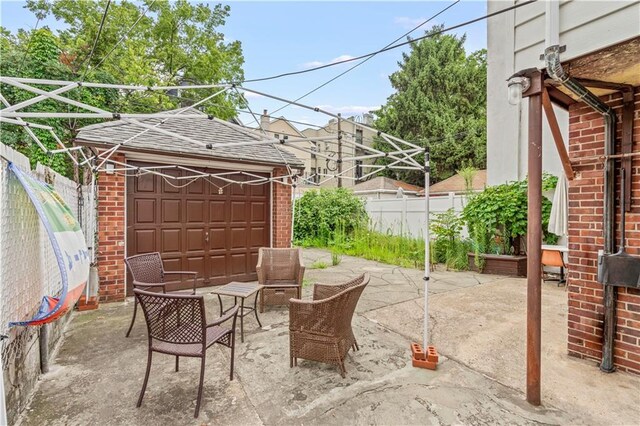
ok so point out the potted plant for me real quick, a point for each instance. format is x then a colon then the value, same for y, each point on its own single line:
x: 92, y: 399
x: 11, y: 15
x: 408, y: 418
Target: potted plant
x: 497, y: 222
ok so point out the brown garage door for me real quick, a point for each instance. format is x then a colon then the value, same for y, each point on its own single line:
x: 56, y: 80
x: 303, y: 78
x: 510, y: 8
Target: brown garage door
x: 199, y: 227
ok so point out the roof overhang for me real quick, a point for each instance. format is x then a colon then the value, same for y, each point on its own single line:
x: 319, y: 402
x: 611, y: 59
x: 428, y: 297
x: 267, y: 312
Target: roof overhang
x: 183, y: 158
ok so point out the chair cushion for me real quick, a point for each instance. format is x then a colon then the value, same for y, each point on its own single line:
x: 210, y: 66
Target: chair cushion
x: 214, y: 334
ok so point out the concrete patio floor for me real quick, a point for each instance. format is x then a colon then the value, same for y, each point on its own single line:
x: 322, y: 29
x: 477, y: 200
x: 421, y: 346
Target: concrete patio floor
x: 477, y: 323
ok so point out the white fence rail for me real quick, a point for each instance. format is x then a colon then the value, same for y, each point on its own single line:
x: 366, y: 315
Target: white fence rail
x: 405, y: 216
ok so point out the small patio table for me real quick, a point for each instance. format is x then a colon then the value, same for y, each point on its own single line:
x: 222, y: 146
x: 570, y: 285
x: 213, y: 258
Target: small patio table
x: 242, y: 291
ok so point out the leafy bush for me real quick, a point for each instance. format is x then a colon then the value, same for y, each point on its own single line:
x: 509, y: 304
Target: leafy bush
x: 321, y: 214
x: 446, y: 245
x: 497, y: 217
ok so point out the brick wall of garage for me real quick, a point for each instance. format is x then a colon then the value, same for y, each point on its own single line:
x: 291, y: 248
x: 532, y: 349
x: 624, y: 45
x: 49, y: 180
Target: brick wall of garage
x: 281, y: 211
x: 586, y: 308
x: 112, y: 229
x: 111, y: 235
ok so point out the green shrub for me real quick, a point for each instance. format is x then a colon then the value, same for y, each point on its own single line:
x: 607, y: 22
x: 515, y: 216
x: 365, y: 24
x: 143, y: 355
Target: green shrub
x: 497, y: 217
x: 321, y: 214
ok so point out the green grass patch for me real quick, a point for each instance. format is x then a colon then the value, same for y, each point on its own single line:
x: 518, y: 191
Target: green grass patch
x: 381, y: 247
x: 319, y: 264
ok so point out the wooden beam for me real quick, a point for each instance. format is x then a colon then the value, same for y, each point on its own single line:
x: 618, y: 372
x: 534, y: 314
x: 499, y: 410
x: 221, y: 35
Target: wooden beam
x: 599, y: 84
x: 557, y: 135
x: 560, y: 98
x: 534, y: 239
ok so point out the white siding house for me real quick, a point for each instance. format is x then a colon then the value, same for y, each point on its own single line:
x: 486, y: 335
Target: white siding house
x: 515, y: 41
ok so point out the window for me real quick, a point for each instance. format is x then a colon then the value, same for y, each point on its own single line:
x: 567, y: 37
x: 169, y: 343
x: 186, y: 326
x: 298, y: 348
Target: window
x: 358, y: 169
x: 359, y: 136
x: 276, y: 135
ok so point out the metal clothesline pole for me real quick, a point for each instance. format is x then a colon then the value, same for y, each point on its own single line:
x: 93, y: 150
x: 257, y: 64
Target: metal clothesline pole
x: 427, y: 257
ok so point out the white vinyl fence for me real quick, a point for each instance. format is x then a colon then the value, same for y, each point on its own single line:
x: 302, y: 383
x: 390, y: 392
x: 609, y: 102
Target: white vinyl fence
x: 405, y: 216
x: 28, y: 270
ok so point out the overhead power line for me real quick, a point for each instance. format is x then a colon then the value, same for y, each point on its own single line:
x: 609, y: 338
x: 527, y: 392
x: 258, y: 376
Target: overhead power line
x: 95, y: 41
x: 395, y: 46
x: 125, y: 35
x: 26, y: 51
x: 369, y: 57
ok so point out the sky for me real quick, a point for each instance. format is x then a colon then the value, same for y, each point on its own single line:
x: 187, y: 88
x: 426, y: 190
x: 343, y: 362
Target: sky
x: 289, y: 36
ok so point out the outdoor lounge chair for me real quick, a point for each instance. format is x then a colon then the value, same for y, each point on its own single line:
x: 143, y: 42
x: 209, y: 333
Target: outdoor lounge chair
x: 281, y: 271
x: 148, y: 273
x: 177, y: 325
x: 320, y: 330
x: 324, y: 291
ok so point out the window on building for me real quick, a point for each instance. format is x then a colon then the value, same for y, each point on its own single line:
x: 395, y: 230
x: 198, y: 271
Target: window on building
x: 359, y: 136
x: 358, y: 169
x: 276, y: 135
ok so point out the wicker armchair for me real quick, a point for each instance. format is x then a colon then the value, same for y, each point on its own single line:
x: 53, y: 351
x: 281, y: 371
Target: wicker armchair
x: 320, y: 330
x: 324, y: 291
x: 281, y: 271
x: 177, y: 325
x: 148, y: 273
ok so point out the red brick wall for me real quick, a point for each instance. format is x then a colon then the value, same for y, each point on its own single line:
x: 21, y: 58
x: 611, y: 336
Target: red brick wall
x: 281, y: 211
x: 111, y: 231
x: 586, y: 311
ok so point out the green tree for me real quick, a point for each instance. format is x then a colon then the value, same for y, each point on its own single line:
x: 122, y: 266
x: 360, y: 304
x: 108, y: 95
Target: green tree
x: 173, y: 44
x: 176, y: 42
x: 37, y: 55
x: 439, y: 102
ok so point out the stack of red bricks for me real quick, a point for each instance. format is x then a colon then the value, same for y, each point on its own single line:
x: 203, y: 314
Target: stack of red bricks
x: 586, y: 307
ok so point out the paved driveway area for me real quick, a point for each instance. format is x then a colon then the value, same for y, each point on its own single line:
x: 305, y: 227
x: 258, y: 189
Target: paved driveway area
x: 477, y: 322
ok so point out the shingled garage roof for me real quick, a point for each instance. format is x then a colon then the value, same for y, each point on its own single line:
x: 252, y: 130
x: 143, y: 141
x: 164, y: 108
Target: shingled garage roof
x: 209, y: 131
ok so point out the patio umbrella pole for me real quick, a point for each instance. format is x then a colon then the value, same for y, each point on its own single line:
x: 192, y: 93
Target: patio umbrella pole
x: 425, y: 356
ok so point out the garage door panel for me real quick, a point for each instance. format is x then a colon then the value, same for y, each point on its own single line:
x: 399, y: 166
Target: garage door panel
x: 218, y: 266
x: 172, y: 264
x: 195, y: 211
x: 258, y: 211
x: 145, y: 211
x: 196, y: 264
x: 238, y: 238
x: 170, y: 240
x: 144, y: 240
x: 217, y: 238
x: 257, y: 237
x: 238, y: 211
x: 217, y: 211
x: 195, y: 239
x: 145, y: 183
x: 237, y: 189
x: 238, y: 263
x: 259, y: 190
x: 170, y: 211
x: 167, y: 188
x: 196, y: 187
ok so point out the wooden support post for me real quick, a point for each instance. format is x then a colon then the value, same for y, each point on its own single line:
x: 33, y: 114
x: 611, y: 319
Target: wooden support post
x: 534, y: 238
x: 557, y: 135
